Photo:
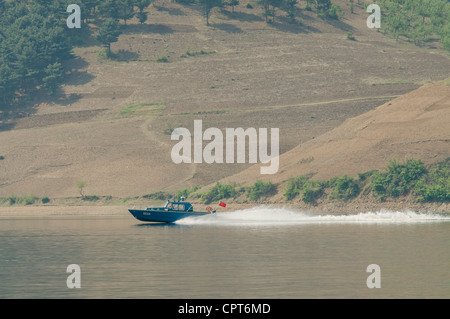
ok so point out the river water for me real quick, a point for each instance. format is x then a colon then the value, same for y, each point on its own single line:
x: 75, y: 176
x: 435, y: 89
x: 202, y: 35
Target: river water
x: 255, y: 253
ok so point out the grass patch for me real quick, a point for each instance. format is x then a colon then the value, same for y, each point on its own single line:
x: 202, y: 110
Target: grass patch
x: 350, y: 36
x: 445, y: 82
x: 170, y: 126
x: 163, y: 196
x: 392, y: 82
x: 190, y: 53
x: 20, y: 200
x: 162, y: 59
x: 159, y: 196
x: 90, y: 198
x: 104, y: 55
x: 140, y: 109
x: 204, y: 112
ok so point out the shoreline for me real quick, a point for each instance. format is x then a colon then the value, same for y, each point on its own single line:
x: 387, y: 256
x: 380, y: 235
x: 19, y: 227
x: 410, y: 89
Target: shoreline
x: 329, y: 208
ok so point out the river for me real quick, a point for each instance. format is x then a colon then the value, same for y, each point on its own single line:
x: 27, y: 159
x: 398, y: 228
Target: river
x: 253, y: 253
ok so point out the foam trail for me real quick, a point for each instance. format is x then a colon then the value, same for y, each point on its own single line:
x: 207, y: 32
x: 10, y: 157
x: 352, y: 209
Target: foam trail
x: 272, y: 216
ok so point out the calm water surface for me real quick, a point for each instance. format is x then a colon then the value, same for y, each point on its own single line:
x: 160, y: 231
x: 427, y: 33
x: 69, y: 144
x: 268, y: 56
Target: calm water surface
x: 256, y: 253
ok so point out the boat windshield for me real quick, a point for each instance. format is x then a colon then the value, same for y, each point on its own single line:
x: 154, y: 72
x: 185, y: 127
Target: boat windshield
x: 178, y: 206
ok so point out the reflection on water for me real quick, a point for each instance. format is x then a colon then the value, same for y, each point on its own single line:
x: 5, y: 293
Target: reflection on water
x: 257, y: 253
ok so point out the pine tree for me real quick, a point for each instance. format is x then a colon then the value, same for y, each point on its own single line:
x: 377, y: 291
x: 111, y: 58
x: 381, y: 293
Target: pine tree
x: 108, y: 33
x: 323, y: 6
x: 142, y: 15
x: 208, y: 5
x: 290, y: 9
x: 126, y: 11
x: 54, y: 76
x: 232, y: 4
x: 110, y: 9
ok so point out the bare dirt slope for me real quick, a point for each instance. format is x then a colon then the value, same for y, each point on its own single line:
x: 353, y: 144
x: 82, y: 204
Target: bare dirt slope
x: 108, y: 125
x: 415, y: 125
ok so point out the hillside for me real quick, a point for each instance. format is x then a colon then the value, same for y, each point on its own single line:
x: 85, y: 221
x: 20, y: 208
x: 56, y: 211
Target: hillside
x: 414, y: 125
x: 108, y: 125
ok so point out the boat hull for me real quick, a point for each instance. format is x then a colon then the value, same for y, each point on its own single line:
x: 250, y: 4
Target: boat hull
x: 159, y: 216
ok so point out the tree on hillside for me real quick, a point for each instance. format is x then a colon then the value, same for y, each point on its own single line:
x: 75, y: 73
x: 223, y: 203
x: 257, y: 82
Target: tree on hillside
x: 54, y: 76
x: 110, y: 9
x: 208, y: 5
x: 309, y: 3
x: 2, y: 6
x: 32, y: 37
x: 108, y: 33
x: 417, y: 20
x: 81, y: 185
x: 276, y: 4
x: 394, y: 22
x: 270, y: 7
x: 290, y: 9
x: 265, y: 4
x: 142, y: 15
x: 91, y: 5
x: 232, y: 4
x: 445, y: 36
x: 142, y: 4
x: 126, y: 11
x: 323, y: 5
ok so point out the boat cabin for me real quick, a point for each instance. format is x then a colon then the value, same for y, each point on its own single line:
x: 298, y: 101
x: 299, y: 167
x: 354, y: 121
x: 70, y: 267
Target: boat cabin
x: 181, y: 206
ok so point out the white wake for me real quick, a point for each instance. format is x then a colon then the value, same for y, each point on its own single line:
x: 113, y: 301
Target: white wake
x: 272, y: 216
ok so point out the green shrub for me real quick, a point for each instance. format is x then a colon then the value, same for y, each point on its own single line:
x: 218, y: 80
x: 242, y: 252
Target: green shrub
x: 309, y: 190
x: 45, y: 200
x: 162, y: 59
x: 350, y: 36
x: 344, y: 188
x: 158, y: 195
x: 218, y: 192
x: 12, y: 200
x: 186, y: 192
x: 29, y: 199
x: 435, y: 186
x: 334, y: 12
x: 398, y: 179
x: 366, y: 175
x: 312, y: 190
x: 91, y: 198
x: 2, y: 157
x: 295, y: 186
x: 261, y: 189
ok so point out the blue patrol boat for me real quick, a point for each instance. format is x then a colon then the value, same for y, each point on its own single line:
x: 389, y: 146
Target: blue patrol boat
x: 169, y: 213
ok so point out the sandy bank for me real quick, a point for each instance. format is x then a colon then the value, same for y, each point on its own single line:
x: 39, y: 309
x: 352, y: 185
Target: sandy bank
x: 335, y: 208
